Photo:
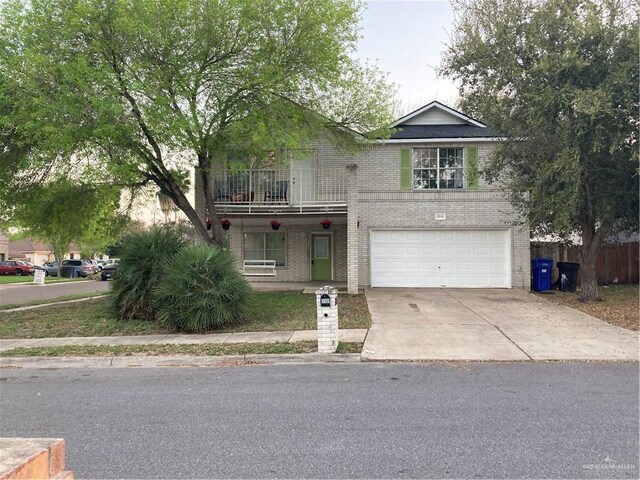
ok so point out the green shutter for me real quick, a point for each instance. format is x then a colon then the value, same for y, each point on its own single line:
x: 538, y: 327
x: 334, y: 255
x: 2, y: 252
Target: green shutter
x: 405, y: 169
x: 472, y: 168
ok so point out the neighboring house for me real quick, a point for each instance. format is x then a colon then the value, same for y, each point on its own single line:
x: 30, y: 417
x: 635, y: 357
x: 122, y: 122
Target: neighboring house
x: 35, y: 252
x: 408, y: 211
x: 4, y: 247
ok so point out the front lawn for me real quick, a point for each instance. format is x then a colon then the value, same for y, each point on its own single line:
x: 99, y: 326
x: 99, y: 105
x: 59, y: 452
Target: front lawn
x: 620, y: 304
x: 165, y: 349
x: 269, y: 311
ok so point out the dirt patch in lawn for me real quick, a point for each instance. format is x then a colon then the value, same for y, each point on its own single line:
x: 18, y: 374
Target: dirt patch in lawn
x: 620, y: 304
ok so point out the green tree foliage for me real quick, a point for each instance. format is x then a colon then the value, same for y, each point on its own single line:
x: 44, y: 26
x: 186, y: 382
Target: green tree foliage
x: 558, y: 78
x: 61, y: 213
x: 201, y: 289
x: 150, y: 88
x: 142, y: 259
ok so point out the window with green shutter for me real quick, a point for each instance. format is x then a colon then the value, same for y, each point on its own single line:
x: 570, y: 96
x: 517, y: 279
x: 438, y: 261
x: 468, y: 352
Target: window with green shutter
x: 438, y: 168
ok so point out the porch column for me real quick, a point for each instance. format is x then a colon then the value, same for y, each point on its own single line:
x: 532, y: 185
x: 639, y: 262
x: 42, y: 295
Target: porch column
x: 352, y: 228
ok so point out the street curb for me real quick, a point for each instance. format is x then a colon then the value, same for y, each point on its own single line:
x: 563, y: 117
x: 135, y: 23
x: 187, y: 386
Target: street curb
x: 175, y: 361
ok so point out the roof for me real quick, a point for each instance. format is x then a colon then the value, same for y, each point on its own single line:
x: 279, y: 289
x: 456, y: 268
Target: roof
x: 442, y: 131
x: 440, y: 106
x: 435, y: 121
x: 27, y: 245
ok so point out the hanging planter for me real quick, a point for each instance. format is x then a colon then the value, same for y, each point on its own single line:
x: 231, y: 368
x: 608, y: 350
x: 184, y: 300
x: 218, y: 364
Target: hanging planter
x: 326, y: 223
x: 225, y: 224
x: 275, y: 224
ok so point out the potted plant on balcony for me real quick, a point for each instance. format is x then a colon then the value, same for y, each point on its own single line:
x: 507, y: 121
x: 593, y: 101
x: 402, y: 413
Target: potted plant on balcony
x: 225, y: 223
x: 275, y: 224
x: 326, y: 223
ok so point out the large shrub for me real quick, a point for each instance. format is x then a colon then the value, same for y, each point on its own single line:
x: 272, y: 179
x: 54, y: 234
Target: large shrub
x: 142, y: 258
x: 201, y: 289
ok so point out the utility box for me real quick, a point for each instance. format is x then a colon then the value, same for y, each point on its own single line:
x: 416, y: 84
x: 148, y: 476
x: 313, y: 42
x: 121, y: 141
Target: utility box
x: 542, y: 269
x: 327, y: 317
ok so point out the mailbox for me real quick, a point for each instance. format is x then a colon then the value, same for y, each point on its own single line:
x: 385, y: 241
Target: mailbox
x: 325, y: 300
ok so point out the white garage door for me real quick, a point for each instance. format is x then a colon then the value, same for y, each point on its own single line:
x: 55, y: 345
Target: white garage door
x: 440, y: 258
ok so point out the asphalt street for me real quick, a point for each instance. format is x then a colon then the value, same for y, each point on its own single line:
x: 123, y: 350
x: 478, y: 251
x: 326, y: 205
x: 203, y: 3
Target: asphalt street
x: 16, y: 294
x: 457, y: 420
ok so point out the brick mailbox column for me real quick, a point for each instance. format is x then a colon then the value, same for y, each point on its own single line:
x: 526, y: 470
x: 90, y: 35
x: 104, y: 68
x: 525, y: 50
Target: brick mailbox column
x: 327, y: 315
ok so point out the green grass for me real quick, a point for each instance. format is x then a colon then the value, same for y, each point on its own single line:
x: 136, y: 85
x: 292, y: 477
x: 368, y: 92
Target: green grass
x: 10, y: 279
x: 165, y: 349
x: 75, y: 296
x: 268, y: 311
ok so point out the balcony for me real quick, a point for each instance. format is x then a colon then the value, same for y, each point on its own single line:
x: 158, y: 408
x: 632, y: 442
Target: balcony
x: 269, y: 191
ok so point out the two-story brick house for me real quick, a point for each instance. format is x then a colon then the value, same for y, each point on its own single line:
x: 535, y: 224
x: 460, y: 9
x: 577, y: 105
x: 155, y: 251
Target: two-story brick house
x: 408, y: 211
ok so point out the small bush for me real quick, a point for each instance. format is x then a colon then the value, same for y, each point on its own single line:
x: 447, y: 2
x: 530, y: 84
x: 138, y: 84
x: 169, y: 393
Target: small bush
x: 201, y: 289
x: 142, y: 258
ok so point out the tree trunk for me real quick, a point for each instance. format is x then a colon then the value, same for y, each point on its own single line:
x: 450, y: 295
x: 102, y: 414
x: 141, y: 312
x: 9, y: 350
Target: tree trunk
x: 591, y: 241
x: 208, y: 185
x: 173, y: 191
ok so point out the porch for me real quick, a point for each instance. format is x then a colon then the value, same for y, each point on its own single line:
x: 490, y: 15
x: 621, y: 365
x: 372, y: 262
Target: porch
x: 286, y: 190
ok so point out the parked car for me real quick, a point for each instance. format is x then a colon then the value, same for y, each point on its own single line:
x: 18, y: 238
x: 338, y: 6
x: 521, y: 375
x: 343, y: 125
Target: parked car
x: 108, y: 271
x: 50, y: 268
x: 84, y: 268
x: 16, y: 267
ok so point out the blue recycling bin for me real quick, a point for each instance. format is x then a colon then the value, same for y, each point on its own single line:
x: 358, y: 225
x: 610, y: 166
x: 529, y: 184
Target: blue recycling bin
x: 542, y: 269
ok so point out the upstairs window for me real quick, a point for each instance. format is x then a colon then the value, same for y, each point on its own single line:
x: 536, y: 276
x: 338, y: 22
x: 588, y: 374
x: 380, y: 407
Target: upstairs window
x: 438, y: 168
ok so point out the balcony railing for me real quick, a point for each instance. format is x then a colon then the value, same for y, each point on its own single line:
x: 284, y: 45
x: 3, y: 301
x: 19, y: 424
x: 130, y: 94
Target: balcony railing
x: 284, y: 189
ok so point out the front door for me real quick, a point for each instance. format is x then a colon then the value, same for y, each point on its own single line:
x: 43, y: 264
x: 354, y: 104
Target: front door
x: 321, y: 256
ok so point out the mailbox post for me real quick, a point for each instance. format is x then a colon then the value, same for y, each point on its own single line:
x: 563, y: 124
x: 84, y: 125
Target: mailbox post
x: 327, y: 315
x: 38, y: 277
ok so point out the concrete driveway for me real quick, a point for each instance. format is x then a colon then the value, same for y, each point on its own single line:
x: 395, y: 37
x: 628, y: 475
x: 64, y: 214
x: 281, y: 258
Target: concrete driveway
x: 470, y: 324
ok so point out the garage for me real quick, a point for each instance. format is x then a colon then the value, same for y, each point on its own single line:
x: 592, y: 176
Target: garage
x: 441, y: 258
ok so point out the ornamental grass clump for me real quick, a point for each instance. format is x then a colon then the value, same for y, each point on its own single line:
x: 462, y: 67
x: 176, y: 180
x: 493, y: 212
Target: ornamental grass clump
x: 201, y: 289
x: 142, y: 258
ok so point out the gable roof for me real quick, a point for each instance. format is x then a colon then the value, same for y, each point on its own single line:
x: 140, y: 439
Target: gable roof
x: 435, y: 104
x: 435, y: 122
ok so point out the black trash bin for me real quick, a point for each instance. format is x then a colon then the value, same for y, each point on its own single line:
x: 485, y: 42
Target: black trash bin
x: 568, y: 276
x: 66, y: 271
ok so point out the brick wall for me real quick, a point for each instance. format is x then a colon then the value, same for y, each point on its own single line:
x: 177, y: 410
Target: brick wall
x: 4, y: 247
x: 298, y: 246
x: 381, y: 204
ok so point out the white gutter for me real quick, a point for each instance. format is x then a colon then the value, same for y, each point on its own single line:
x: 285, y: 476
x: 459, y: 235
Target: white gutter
x: 443, y: 140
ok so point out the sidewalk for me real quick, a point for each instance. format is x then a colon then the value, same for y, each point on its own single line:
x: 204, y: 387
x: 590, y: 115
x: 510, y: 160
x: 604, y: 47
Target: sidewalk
x: 352, y: 336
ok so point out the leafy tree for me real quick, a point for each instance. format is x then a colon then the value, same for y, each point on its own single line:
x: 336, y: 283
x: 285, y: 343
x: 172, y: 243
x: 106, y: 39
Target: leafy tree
x: 558, y: 78
x: 62, y: 213
x: 152, y: 88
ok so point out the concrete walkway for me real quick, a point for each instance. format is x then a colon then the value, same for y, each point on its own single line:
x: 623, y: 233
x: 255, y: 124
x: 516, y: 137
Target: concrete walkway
x: 503, y: 325
x: 346, y: 335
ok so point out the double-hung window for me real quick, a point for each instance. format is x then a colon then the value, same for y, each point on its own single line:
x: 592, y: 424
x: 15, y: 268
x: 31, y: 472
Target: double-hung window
x: 438, y: 168
x: 265, y: 246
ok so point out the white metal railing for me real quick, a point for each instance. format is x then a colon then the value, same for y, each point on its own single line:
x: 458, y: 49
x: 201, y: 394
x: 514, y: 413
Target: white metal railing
x: 285, y: 187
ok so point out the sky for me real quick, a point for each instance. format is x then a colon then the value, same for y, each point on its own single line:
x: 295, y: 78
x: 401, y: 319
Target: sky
x: 406, y: 39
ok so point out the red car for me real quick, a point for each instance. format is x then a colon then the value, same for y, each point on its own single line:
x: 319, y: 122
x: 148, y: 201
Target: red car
x: 15, y: 267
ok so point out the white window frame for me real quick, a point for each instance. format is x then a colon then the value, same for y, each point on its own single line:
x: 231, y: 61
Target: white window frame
x: 264, y: 250
x: 438, y: 168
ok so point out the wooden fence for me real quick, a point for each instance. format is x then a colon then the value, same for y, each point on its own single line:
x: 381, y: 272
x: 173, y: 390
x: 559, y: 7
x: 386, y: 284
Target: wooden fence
x: 617, y: 262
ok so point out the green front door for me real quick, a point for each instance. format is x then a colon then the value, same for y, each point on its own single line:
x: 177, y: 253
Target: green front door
x: 321, y: 256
